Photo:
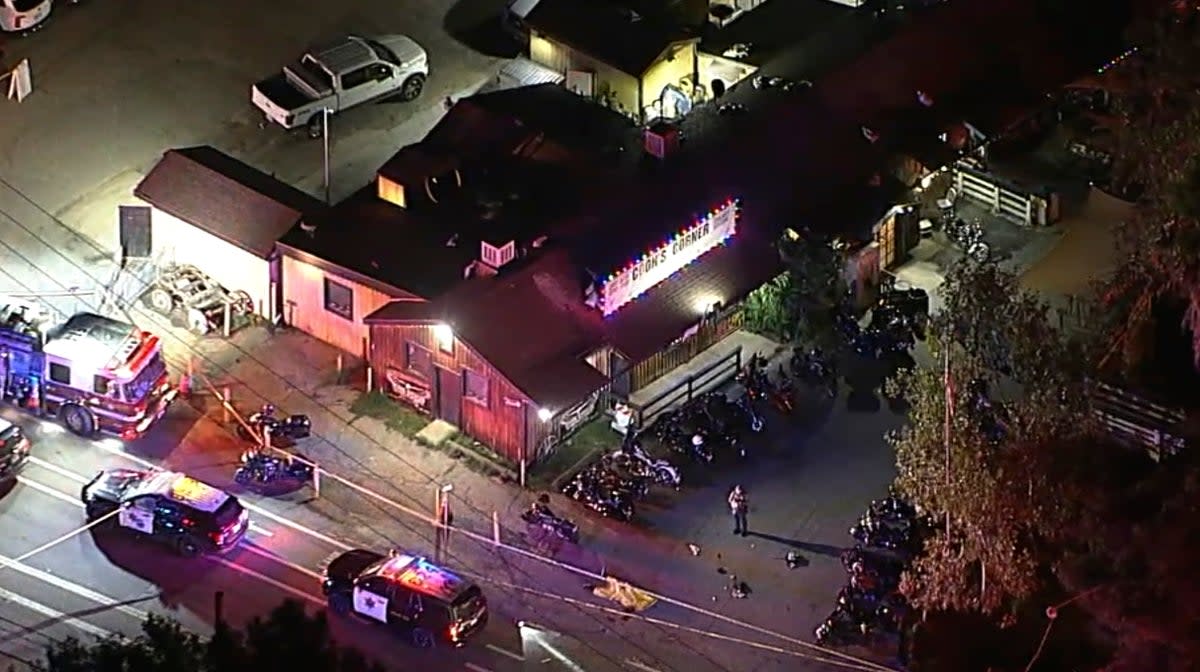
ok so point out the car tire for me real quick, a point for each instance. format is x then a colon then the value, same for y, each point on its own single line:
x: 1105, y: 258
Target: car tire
x: 340, y: 602
x: 421, y: 638
x: 412, y: 87
x: 79, y: 421
x: 187, y: 547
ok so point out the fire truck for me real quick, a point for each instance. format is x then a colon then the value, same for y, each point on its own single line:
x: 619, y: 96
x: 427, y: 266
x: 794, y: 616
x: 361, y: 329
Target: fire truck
x: 93, y: 374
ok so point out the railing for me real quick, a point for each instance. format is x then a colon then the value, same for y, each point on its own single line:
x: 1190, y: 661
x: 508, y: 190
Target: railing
x: 1135, y: 420
x: 710, y: 377
x: 682, y: 352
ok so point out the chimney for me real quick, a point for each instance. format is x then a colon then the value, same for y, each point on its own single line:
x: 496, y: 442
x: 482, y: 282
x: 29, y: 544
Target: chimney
x: 493, y: 257
x: 661, y: 139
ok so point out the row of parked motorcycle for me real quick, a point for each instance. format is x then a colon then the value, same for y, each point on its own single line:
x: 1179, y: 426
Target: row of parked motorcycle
x: 897, y: 321
x: 870, y: 604
x: 259, y: 466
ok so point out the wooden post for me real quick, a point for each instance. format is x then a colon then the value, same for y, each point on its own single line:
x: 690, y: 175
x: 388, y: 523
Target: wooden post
x: 437, y: 506
x: 370, y: 378
x: 226, y: 329
x: 316, y: 480
x: 496, y: 528
x: 339, y: 366
x: 523, y: 468
x: 226, y: 404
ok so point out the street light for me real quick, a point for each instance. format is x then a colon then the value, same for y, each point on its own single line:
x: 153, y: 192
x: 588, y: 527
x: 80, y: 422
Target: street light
x: 544, y: 414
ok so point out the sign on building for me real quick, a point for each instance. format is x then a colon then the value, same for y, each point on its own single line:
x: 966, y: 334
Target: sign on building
x: 661, y: 262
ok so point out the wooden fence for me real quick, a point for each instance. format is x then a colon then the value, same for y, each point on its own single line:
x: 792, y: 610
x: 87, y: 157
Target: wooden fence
x: 684, y: 350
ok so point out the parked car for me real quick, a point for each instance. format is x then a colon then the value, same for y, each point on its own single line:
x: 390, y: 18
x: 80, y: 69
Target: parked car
x: 14, y: 450
x: 338, y: 76
x: 22, y: 16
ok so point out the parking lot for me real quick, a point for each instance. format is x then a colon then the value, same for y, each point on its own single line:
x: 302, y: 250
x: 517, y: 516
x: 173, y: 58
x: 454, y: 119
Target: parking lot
x: 117, y: 83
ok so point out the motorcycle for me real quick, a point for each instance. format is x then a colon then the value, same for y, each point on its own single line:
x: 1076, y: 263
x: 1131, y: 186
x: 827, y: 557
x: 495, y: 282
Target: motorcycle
x: 539, y: 515
x: 812, y: 367
x: 969, y: 238
x: 783, y: 393
x: 634, y: 458
x: 284, y: 431
x: 259, y: 468
x: 842, y: 627
x: 599, y: 490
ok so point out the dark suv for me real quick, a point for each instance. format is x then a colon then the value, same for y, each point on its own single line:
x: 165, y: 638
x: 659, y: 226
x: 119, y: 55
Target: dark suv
x: 178, y: 511
x: 425, y: 602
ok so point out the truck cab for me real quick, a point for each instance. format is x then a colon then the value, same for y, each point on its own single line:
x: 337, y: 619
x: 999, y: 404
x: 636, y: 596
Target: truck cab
x: 339, y: 76
x: 19, y: 16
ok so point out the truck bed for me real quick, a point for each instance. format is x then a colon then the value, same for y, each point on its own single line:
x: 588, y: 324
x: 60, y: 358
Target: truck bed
x: 280, y: 91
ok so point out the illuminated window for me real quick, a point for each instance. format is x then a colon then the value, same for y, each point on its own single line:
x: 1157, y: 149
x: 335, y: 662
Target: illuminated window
x: 339, y: 299
x: 475, y: 387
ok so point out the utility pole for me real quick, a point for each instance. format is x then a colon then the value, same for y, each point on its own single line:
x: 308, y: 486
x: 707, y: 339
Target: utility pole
x: 948, y: 383
x: 325, y: 113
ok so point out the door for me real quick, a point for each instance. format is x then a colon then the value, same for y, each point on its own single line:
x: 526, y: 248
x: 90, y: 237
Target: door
x: 138, y: 515
x: 449, y: 390
x: 363, y: 84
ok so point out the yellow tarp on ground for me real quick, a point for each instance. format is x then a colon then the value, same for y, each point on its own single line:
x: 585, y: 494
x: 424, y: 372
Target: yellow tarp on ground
x: 633, y: 599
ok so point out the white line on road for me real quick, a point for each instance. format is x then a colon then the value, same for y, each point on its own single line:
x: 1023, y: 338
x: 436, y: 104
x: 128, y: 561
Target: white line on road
x: 65, y: 473
x: 286, y: 563
x: 504, y: 652
x: 82, y: 591
x: 266, y: 579
x: 81, y: 479
x: 476, y: 668
x: 50, y: 612
x: 47, y: 490
x: 639, y: 665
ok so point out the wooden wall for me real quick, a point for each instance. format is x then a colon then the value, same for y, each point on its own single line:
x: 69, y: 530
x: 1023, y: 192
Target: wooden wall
x: 304, y: 306
x: 500, y: 425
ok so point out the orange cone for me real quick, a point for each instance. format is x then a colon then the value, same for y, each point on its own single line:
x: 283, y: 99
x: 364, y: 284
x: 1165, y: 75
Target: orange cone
x: 185, y: 381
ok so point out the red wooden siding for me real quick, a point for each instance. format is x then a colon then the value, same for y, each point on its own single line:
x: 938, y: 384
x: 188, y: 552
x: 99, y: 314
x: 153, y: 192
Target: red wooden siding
x: 501, y: 424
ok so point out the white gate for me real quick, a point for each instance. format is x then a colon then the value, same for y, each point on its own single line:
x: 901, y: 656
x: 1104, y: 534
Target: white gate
x: 1004, y: 200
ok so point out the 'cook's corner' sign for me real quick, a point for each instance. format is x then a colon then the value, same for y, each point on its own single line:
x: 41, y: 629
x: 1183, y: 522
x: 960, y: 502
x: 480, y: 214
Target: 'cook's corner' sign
x: 664, y: 260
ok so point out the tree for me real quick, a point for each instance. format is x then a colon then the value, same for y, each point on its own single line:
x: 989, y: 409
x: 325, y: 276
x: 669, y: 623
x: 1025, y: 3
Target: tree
x: 992, y: 476
x: 287, y: 639
x: 1158, y: 148
x: 816, y: 268
x: 771, y: 309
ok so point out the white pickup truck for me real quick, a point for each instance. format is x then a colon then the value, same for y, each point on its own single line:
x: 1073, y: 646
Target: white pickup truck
x: 339, y: 76
x: 20, y: 16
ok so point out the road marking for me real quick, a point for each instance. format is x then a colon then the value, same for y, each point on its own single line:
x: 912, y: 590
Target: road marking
x: 83, y: 480
x: 304, y: 595
x: 639, y: 665
x: 262, y: 553
x: 52, y: 613
x: 61, y: 471
x: 47, y: 490
x: 504, y: 652
x: 256, y: 509
x: 82, y: 591
x: 476, y: 668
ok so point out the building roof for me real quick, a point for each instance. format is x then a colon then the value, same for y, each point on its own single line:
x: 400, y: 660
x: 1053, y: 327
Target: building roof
x: 374, y: 239
x: 530, y: 324
x: 606, y: 31
x: 777, y: 27
x: 216, y: 193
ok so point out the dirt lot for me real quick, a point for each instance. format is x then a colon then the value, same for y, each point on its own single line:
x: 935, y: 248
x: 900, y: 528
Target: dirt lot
x: 117, y: 82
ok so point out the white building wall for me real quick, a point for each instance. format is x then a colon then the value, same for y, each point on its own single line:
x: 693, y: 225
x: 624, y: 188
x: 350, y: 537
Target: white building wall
x: 174, y: 240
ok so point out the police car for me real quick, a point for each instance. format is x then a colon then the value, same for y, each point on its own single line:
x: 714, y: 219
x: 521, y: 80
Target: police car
x: 425, y: 602
x: 14, y: 450
x: 178, y: 511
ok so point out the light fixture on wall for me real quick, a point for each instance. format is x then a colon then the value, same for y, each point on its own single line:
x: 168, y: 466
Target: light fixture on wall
x: 707, y: 304
x: 444, y: 336
x: 544, y: 414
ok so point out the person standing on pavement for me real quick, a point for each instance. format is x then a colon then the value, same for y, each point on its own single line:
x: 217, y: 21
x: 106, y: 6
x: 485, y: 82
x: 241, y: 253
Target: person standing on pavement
x: 739, y: 507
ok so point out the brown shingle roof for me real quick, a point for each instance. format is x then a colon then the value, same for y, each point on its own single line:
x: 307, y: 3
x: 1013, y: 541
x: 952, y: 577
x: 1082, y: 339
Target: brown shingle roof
x: 530, y: 323
x: 605, y: 31
x: 219, y: 194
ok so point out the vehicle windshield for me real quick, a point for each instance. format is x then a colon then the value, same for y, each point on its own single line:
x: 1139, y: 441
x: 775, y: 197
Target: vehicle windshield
x: 141, y: 386
x: 27, y: 5
x: 227, y: 513
x: 468, y: 605
x: 383, y: 53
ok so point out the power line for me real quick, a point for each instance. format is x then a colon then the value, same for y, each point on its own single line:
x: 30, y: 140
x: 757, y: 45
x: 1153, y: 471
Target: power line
x: 429, y: 478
